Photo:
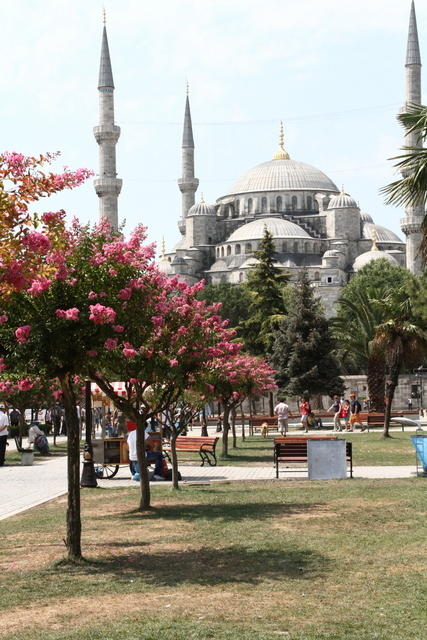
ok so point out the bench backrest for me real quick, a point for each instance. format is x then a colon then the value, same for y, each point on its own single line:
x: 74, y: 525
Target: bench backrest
x: 299, y: 449
x: 302, y: 438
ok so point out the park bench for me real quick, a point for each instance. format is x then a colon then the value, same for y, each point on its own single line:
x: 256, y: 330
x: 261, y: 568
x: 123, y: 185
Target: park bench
x: 294, y: 450
x: 375, y: 419
x: 255, y: 423
x: 204, y: 446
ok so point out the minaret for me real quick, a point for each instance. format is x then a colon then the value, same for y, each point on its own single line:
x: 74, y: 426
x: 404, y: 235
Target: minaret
x: 411, y: 223
x: 107, y: 185
x: 188, y: 183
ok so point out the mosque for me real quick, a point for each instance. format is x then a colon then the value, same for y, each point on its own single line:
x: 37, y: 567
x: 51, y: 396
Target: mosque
x: 314, y: 224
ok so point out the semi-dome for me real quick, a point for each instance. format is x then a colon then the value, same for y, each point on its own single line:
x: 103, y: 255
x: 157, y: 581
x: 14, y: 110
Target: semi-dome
x: 332, y: 253
x: 202, y: 209
x: 381, y: 233
x: 365, y: 217
x: 374, y: 254
x: 342, y: 201
x: 278, y: 227
x: 283, y: 175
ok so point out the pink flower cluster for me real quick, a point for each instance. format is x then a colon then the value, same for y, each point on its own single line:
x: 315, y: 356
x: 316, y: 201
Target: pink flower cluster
x: 23, y: 333
x: 38, y: 286
x: 37, y: 242
x: 25, y: 384
x: 3, y: 366
x: 68, y: 314
x: 99, y: 314
x: 3, y: 318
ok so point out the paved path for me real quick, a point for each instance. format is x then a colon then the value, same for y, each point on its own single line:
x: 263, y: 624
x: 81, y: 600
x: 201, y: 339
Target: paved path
x: 24, y: 487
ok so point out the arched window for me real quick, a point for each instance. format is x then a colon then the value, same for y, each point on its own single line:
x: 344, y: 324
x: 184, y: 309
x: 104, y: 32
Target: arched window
x: 250, y: 205
x: 222, y: 252
x: 237, y: 207
x: 229, y: 250
x: 295, y: 247
x: 248, y: 248
x: 316, y: 275
x: 279, y: 203
x: 294, y: 203
x: 209, y: 240
x: 217, y: 252
x: 240, y: 277
x: 284, y: 248
x: 306, y: 247
x: 309, y: 203
x: 264, y: 205
x: 238, y: 250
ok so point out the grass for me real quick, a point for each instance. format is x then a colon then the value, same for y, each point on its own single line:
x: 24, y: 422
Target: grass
x: 368, y: 449
x: 254, y: 561
x: 13, y: 458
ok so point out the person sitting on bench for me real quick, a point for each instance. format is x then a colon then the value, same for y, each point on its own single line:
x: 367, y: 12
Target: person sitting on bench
x: 150, y: 454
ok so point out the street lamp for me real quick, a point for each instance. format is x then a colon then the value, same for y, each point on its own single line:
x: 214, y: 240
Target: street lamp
x: 88, y: 478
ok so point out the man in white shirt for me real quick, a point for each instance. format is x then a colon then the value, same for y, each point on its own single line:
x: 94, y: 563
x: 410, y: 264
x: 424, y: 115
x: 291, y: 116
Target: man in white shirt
x: 4, y: 424
x: 151, y: 456
x: 281, y: 410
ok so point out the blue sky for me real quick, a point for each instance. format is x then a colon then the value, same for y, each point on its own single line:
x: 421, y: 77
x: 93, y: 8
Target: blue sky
x: 333, y: 70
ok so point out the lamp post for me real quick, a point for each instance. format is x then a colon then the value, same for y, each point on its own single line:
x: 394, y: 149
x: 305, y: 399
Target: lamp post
x: 88, y: 478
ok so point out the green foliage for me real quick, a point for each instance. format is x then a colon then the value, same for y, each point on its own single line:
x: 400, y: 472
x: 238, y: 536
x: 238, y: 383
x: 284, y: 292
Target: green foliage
x: 234, y: 298
x: 304, y: 348
x: 266, y: 284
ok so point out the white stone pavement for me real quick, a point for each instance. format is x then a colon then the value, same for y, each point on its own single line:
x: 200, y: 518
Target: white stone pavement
x: 24, y: 487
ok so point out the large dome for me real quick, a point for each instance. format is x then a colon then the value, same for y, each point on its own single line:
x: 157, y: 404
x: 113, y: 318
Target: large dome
x: 283, y: 175
x: 364, y: 258
x: 278, y: 227
x: 382, y: 234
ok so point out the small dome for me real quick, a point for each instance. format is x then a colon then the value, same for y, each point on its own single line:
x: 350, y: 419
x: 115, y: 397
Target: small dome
x: 202, y: 209
x: 342, y: 201
x: 250, y: 263
x: 178, y: 260
x: 365, y: 217
x: 287, y: 263
x: 332, y: 253
x: 364, y: 258
x: 278, y: 227
x: 219, y: 265
x: 382, y: 234
x: 165, y: 267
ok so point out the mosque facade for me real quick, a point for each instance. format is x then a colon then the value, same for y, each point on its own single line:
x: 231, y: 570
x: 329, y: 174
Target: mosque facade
x: 314, y: 224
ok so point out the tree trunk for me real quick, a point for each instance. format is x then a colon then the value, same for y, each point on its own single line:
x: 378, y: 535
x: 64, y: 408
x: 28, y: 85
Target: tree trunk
x: 242, y: 415
x: 271, y: 403
x: 233, y: 427
x: 204, y: 431
x: 376, y: 382
x: 74, y: 525
x: 317, y: 401
x: 143, y: 470
x: 251, y: 429
x: 390, y: 386
x: 174, y: 459
x: 225, y: 429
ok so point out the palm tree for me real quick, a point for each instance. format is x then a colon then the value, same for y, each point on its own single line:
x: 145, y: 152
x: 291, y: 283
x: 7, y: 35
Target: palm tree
x: 412, y: 188
x: 403, y: 341
x: 355, y: 330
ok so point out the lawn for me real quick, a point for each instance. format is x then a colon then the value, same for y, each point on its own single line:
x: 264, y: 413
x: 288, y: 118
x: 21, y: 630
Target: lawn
x: 13, y: 458
x: 338, y: 560
x: 368, y: 449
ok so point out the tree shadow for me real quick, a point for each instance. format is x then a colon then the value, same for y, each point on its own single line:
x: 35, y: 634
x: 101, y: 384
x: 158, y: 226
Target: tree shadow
x: 207, y: 566
x: 229, y: 512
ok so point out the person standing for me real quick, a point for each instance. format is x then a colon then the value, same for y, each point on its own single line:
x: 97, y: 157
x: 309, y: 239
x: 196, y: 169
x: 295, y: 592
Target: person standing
x: 355, y: 409
x: 281, y: 410
x: 345, y: 413
x: 336, y: 407
x: 4, y: 424
x: 305, y: 410
x: 409, y: 403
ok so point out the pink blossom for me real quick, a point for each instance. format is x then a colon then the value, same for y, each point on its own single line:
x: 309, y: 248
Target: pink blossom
x: 92, y: 353
x: 57, y: 395
x: 3, y: 318
x: 117, y: 328
x: 182, y: 350
x: 129, y: 353
x: 173, y: 362
x: 3, y: 366
x: 13, y: 275
x: 37, y: 242
x: 25, y: 384
x: 125, y: 294
x: 158, y: 321
x: 38, y: 286
x: 110, y: 343
x: 112, y: 272
x: 53, y: 216
x: 92, y: 295
x: 72, y: 314
x: 23, y: 333
x: 72, y: 281
x: 101, y: 315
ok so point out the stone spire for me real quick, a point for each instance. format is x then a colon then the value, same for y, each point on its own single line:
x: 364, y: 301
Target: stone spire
x: 107, y: 185
x: 188, y: 183
x: 411, y: 223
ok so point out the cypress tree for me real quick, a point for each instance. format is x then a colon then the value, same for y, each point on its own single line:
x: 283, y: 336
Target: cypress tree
x: 303, y: 351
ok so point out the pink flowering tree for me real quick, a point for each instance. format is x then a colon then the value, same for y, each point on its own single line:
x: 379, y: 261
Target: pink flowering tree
x: 166, y: 339
x: 234, y: 379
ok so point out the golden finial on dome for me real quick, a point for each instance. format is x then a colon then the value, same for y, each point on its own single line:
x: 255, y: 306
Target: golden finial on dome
x: 281, y: 154
x: 374, y: 240
x: 202, y: 198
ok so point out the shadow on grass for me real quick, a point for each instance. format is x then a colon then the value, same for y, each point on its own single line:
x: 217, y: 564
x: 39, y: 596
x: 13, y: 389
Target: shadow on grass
x: 206, y: 566
x: 228, y: 512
